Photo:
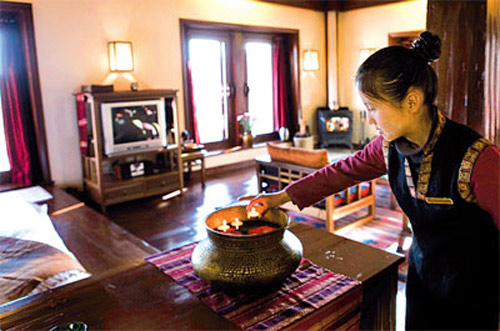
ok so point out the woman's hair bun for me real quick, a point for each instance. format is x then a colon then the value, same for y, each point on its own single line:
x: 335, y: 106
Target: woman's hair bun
x: 428, y: 46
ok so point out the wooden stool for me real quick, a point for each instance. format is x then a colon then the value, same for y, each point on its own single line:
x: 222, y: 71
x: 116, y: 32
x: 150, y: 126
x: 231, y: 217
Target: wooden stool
x: 196, y: 158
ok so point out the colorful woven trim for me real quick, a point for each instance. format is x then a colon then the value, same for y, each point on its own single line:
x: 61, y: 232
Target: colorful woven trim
x: 423, y: 176
x: 385, y: 151
x: 465, y: 172
x: 424, y: 173
x: 409, y: 179
x: 437, y: 133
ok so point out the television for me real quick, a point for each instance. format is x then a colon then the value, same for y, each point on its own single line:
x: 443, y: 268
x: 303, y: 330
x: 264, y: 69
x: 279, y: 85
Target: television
x: 133, y: 126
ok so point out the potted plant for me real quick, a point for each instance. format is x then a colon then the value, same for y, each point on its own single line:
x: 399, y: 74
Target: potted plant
x: 246, y: 122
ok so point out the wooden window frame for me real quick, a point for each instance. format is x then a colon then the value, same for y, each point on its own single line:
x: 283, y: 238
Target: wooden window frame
x: 238, y: 103
x: 25, y: 15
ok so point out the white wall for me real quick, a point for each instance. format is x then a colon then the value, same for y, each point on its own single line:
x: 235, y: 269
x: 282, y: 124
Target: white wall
x: 71, y: 39
x: 369, y: 28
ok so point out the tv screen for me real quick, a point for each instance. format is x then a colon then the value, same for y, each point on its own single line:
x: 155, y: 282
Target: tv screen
x: 135, y: 125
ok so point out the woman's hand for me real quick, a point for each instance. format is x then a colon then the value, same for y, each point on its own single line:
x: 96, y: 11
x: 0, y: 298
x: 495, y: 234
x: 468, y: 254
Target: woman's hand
x: 264, y: 201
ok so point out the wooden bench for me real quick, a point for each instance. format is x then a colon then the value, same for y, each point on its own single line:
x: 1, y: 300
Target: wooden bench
x: 275, y: 175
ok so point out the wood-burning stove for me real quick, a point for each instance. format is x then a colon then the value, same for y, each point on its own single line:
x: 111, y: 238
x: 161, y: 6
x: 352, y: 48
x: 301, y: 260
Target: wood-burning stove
x: 334, y: 127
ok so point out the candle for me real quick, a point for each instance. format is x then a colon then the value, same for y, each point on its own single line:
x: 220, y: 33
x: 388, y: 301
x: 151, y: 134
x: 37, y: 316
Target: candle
x: 224, y: 227
x: 237, y: 223
x: 253, y: 213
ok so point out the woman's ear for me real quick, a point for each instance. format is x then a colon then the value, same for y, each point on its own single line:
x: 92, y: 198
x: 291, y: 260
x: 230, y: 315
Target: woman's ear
x: 414, y: 100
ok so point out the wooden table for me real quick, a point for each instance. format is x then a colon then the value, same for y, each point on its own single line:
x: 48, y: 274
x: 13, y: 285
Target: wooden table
x: 194, y: 157
x: 136, y: 295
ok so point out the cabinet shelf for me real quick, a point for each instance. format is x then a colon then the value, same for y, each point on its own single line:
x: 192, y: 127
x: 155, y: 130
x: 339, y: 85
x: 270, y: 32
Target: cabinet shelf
x: 102, y: 174
x: 140, y: 153
x: 123, y: 182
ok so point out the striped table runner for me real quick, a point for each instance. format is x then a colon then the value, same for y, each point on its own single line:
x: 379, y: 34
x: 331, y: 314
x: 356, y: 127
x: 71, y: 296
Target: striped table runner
x: 303, y: 293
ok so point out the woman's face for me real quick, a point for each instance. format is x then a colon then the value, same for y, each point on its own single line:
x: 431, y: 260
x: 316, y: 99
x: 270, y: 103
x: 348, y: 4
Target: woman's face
x: 390, y: 120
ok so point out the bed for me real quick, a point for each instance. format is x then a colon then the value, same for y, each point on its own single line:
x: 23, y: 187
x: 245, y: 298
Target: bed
x: 33, y: 257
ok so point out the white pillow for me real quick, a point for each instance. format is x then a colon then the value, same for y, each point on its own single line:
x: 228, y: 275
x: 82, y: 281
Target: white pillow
x: 23, y: 220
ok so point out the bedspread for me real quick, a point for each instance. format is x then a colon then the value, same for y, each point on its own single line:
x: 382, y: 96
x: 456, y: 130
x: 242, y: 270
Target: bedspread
x: 28, y: 267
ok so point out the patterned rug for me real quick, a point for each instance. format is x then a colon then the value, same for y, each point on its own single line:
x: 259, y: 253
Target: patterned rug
x: 297, y: 301
x: 383, y: 232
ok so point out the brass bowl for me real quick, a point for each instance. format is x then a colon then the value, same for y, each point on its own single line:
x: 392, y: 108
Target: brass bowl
x: 246, y: 262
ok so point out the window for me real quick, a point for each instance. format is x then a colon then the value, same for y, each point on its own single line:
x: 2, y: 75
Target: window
x: 209, y: 79
x: 260, y: 85
x: 4, y: 159
x: 23, y: 112
x: 228, y: 71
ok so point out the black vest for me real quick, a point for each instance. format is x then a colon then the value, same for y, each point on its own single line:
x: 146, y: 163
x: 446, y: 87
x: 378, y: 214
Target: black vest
x: 455, y: 246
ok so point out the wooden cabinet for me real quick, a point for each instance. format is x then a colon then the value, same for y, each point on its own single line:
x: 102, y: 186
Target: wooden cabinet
x: 141, y: 171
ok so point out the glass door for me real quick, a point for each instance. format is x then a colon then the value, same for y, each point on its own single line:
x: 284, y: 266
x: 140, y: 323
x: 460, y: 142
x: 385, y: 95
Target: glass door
x: 210, y: 88
x: 259, y: 85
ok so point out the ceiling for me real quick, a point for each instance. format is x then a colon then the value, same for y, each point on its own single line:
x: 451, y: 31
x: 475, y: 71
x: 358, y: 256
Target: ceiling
x: 326, y: 5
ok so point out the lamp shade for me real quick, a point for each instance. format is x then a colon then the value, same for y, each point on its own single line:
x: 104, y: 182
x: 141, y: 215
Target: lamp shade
x: 311, y: 60
x: 121, y: 57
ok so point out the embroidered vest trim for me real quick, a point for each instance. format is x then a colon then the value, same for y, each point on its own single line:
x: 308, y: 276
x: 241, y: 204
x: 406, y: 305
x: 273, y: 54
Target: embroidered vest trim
x: 385, y: 151
x: 424, y: 173
x: 465, y: 172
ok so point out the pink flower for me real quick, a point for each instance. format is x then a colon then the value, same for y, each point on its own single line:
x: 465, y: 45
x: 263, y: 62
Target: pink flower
x: 246, y: 122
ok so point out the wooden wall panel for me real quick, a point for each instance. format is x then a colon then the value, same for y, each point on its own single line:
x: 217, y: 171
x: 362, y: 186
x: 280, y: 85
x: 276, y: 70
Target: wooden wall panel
x: 461, y: 26
x: 492, y: 77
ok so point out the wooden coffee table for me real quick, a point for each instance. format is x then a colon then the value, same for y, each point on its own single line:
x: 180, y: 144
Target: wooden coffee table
x: 136, y: 295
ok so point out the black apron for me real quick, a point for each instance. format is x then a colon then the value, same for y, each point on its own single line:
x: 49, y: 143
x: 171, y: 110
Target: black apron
x: 453, y: 274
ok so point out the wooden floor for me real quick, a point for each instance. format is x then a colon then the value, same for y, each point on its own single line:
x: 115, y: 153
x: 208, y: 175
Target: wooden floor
x: 180, y: 220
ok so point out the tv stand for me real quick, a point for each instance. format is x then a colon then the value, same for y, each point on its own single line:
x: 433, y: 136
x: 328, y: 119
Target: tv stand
x: 134, y: 174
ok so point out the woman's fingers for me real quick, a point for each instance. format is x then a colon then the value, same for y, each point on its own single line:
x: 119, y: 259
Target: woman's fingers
x: 257, y: 207
x: 246, y: 197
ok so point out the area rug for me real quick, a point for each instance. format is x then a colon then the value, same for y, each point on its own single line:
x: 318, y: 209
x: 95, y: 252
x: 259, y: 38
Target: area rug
x: 383, y: 232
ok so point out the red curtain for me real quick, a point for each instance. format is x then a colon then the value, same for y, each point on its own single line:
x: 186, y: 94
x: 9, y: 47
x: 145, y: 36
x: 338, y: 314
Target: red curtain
x: 16, y: 107
x: 285, y: 111
x: 196, y: 133
x: 280, y: 96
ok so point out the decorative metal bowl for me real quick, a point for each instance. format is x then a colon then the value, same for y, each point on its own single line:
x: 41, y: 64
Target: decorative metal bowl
x: 246, y: 262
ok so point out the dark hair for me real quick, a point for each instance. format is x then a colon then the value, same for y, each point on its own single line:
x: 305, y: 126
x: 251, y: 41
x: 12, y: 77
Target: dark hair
x: 389, y: 73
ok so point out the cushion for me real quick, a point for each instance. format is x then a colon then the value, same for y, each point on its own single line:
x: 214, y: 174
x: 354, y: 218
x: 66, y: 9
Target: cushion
x: 316, y: 158
x: 27, y: 265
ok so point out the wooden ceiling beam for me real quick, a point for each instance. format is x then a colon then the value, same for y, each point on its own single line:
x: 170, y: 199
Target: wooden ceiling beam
x: 356, y: 4
x: 319, y: 5
x: 328, y: 5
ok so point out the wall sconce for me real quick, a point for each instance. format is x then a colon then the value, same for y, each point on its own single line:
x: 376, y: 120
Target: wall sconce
x: 121, y: 57
x: 365, y: 53
x: 311, y: 60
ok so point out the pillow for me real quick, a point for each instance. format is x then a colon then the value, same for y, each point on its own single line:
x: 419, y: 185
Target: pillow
x: 317, y: 158
x: 29, y: 221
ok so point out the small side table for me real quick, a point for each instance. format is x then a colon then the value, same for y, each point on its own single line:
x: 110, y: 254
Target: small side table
x: 196, y: 157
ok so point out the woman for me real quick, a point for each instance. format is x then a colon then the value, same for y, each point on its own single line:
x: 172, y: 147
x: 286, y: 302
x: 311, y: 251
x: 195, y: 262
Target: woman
x: 445, y: 178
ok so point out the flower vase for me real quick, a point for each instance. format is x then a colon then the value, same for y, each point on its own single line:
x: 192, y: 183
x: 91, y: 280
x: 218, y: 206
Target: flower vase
x: 247, y: 140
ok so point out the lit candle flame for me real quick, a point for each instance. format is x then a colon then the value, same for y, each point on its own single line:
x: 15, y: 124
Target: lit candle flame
x: 224, y: 227
x: 253, y: 213
x: 237, y: 223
